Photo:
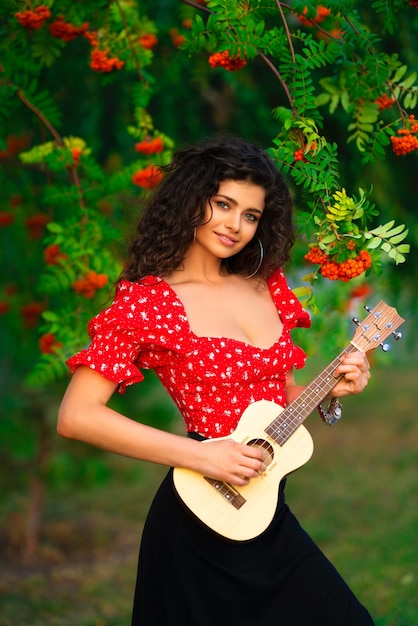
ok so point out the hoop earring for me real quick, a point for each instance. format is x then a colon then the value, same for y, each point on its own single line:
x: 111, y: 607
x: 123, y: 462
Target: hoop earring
x: 259, y: 263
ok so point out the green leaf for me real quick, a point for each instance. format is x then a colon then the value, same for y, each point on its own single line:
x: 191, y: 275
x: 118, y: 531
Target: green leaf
x: 322, y: 99
x: 54, y: 227
x: 375, y: 243
x: 398, y: 238
x: 50, y: 316
x: 400, y: 72
x: 404, y: 248
x: 408, y: 82
x: 302, y: 292
x: 328, y: 238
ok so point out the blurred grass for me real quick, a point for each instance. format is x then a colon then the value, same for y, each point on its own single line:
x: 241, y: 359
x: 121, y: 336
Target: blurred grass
x: 357, y: 497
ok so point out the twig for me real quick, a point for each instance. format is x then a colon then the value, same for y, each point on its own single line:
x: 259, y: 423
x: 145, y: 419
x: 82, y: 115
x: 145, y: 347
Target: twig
x: 200, y: 7
x: 58, y: 139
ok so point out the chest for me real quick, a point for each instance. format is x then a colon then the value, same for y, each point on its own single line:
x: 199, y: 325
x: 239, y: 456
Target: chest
x: 246, y: 314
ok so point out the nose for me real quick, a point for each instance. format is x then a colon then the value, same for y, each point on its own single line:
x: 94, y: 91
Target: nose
x: 233, y: 220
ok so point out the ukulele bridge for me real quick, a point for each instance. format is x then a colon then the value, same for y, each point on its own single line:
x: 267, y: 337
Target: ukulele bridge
x: 228, y: 492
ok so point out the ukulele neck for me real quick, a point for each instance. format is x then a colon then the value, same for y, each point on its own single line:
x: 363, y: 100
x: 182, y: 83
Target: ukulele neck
x: 285, y: 424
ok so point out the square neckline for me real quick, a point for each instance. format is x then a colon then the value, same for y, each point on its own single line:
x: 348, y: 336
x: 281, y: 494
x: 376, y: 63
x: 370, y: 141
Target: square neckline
x: 224, y: 337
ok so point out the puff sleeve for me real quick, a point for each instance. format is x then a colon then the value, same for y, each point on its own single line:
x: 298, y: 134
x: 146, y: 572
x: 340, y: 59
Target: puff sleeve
x: 290, y: 310
x: 116, y: 339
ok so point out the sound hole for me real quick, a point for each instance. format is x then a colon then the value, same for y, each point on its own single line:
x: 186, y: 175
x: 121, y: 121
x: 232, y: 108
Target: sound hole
x: 265, y: 446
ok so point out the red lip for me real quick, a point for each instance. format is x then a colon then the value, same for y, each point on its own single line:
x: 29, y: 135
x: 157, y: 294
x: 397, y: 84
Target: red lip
x: 226, y: 239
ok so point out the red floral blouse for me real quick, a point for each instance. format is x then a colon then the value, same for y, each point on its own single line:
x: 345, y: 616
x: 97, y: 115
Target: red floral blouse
x: 211, y: 379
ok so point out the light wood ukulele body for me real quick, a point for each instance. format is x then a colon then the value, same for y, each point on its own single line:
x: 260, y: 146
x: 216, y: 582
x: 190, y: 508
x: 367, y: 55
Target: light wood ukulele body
x: 243, y: 513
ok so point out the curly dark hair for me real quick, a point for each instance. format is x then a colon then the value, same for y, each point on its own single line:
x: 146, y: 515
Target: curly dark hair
x: 177, y: 206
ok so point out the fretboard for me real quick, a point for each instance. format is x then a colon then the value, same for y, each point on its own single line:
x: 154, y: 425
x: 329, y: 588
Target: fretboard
x: 285, y: 424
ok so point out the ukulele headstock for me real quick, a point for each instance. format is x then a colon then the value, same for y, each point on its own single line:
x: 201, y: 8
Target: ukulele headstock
x: 381, y: 322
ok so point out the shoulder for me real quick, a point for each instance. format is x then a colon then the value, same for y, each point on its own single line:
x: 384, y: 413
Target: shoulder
x: 148, y: 290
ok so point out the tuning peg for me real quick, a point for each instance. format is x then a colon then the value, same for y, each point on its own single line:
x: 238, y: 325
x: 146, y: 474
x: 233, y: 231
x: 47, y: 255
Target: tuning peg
x: 385, y: 347
x: 356, y: 321
x: 377, y: 314
x: 397, y: 336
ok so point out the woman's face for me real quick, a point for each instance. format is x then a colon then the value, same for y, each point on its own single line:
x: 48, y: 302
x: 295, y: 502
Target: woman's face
x: 231, y: 218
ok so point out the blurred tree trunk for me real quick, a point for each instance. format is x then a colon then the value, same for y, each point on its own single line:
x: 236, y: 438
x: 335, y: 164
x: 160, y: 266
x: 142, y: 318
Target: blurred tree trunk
x: 34, y: 518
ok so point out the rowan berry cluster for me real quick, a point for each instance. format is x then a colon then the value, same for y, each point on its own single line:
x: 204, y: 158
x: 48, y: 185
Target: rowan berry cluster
x: 344, y: 270
x: 150, y: 146
x: 300, y: 154
x: 31, y: 313
x: 100, y: 61
x: 222, y: 59
x: 36, y: 225
x: 53, y: 255
x: 48, y: 344
x: 76, y: 153
x: 413, y: 4
x: 316, y: 255
x: 33, y: 20
x: 321, y: 14
x: 6, y: 218
x: 148, y: 41
x: 177, y: 39
x: 65, y: 30
x: 407, y: 138
x: 148, y: 177
x: 384, y: 102
x: 4, y: 307
x: 92, y: 37
x: 14, y: 145
x: 88, y: 284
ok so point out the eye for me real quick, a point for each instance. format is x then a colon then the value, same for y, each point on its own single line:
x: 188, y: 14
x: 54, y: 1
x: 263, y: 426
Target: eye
x: 222, y: 205
x: 251, y: 218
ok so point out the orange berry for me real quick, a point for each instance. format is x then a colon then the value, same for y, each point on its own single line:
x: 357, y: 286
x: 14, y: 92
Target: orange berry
x: 32, y: 20
x: 316, y: 255
x: 222, y: 59
x: 53, y: 255
x: 101, y: 62
x: 48, y: 344
x: 148, y: 41
x: 150, y: 146
x: 148, y: 177
x: 384, y: 102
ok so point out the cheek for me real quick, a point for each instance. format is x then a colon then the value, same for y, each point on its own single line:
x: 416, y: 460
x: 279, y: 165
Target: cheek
x: 250, y: 228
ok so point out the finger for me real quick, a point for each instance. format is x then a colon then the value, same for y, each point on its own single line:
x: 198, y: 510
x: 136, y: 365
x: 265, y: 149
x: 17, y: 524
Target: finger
x: 252, y: 452
x: 253, y: 469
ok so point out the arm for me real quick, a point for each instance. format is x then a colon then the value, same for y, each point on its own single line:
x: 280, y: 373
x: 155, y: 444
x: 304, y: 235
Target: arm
x: 85, y: 416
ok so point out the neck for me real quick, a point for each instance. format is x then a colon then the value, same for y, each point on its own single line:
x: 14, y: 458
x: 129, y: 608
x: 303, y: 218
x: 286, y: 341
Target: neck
x: 199, y: 268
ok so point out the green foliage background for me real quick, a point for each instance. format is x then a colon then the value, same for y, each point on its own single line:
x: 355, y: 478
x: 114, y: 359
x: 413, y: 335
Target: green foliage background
x: 297, y: 88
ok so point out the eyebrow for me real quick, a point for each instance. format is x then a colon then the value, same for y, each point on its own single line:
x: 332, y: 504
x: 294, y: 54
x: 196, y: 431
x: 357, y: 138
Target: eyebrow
x: 234, y: 202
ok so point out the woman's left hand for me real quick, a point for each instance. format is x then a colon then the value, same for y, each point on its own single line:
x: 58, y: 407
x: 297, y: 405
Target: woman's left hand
x: 355, y: 369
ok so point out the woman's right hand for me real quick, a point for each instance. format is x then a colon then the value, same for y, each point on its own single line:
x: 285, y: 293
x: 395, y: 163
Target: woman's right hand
x: 230, y: 461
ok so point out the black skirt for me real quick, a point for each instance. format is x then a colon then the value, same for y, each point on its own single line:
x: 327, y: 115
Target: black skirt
x: 190, y: 576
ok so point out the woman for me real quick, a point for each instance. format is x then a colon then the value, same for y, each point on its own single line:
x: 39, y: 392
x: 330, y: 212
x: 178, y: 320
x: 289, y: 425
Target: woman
x: 203, y: 301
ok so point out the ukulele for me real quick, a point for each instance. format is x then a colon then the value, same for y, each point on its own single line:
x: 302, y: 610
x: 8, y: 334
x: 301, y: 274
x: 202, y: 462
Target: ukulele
x: 243, y: 513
